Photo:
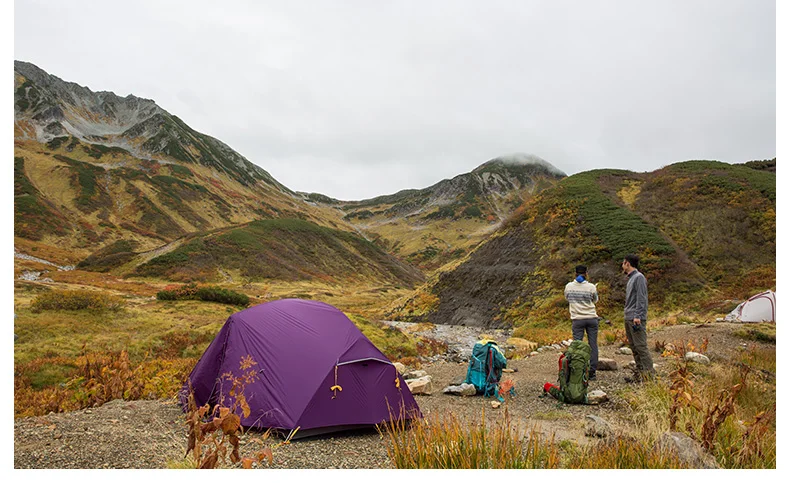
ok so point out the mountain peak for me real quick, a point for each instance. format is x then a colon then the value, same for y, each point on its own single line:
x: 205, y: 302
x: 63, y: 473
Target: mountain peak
x: 520, y: 159
x: 47, y: 107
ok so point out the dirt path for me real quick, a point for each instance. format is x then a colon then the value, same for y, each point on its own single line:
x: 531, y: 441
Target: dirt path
x: 149, y: 434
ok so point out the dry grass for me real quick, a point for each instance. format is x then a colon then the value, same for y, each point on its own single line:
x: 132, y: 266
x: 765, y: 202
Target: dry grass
x: 446, y: 442
x: 623, y: 453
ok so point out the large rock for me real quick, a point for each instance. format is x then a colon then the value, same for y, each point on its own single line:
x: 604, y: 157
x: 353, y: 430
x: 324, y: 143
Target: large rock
x: 607, y: 364
x: 422, y: 385
x: 461, y: 390
x: 596, y: 397
x: 414, y: 375
x: 697, y: 357
x: 689, y: 451
x: 625, y: 350
x: 596, y: 427
x: 399, y: 367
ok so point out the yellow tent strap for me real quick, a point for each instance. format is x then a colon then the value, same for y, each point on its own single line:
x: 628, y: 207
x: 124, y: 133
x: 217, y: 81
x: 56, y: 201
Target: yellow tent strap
x: 335, y: 388
x: 397, y: 379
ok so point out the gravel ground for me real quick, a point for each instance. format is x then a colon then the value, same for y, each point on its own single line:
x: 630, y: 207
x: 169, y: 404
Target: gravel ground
x: 149, y: 434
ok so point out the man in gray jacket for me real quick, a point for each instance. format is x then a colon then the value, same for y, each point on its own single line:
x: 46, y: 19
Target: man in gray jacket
x: 636, y: 316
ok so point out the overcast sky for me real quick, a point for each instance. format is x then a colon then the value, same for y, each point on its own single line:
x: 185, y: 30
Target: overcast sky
x: 355, y: 99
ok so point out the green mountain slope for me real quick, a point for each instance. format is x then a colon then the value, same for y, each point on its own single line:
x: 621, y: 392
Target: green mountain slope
x: 704, y: 230
x: 285, y: 249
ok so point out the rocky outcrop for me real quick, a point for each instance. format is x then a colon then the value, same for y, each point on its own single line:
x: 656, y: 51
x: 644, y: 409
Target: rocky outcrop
x: 688, y: 451
x: 597, y: 427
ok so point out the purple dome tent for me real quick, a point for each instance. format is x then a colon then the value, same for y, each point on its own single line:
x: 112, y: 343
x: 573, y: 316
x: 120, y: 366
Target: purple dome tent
x: 316, y: 370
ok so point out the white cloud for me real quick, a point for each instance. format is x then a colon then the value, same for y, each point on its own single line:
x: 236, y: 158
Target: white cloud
x: 355, y: 99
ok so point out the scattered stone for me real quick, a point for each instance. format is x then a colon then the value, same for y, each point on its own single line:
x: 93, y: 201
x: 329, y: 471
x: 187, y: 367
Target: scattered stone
x: 508, y: 370
x: 556, y: 347
x: 596, y: 397
x: 399, y: 367
x: 461, y: 390
x: 688, y: 450
x: 625, y: 350
x: 534, y: 353
x: 88, y: 411
x: 541, y: 349
x: 495, y: 404
x: 697, y: 357
x: 423, y: 385
x: 415, y: 374
x: 607, y: 364
x: 669, y: 347
x: 567, y: 343
x: 57, y: 435
x: 458, y: 380
x: 596, y: 427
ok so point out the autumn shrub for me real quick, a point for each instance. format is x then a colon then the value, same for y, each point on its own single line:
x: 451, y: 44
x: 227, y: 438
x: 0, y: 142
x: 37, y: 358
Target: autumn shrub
x: 209, y: 293
x: 214, y: 431
x: 76, y: 300
x: 58, y: 384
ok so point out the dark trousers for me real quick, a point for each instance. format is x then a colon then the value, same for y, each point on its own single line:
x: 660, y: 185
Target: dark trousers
x: 637, y: 339
x: 579, y: 327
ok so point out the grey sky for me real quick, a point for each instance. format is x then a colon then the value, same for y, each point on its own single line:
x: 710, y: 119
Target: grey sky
x: 355, y: 99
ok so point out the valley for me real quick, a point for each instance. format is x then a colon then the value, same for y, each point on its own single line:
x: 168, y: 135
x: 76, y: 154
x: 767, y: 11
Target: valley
x: 123, y: 213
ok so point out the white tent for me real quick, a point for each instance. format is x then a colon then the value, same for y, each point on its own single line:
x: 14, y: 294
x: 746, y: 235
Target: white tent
x: 759, y: 308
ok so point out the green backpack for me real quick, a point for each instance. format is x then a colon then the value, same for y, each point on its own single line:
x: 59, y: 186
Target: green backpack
x: 573, y: 372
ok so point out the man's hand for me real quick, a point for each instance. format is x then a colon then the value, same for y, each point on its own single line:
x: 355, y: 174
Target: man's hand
x: 637, y: 322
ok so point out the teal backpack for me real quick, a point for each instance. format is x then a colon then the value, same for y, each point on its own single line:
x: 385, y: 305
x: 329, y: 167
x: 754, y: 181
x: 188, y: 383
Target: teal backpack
x: 485, y: 368
x: 574, y: 368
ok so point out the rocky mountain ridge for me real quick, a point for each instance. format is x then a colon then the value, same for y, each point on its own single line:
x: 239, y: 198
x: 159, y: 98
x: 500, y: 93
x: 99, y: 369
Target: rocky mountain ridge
x: 46, y: 108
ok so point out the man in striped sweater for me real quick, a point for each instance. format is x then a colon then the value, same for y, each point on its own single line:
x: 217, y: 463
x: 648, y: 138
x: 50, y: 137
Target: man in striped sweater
x: 582, y: 296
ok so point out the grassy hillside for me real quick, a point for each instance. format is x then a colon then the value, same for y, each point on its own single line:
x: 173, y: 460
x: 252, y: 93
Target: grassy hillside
x: 705, y: 232
x: 288, y: 249
x: 722, y: 216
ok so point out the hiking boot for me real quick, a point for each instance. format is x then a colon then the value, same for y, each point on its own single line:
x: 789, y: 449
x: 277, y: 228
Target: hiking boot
x: 592, y: 377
